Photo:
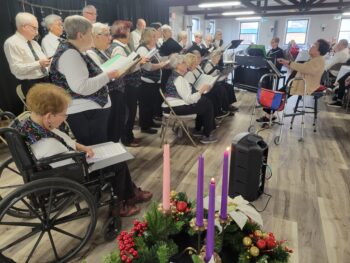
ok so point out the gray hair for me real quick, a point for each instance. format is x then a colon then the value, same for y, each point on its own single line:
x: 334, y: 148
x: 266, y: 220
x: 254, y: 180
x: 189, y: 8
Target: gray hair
x: 181, y: 35
x: 175, y: 60
x: 343, y: 42
x: 215, y: 53
x: 88, y: 8
x: 166, y: 27
x: 23, y: 18
x: 51, y: 19
x: 209, y: 37
x: 99, y: 28
x: 198, y: 34
x: 76, y: 24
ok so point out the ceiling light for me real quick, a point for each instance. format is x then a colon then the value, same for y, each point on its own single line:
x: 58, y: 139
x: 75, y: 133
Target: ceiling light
x: 346, y: 14
x: 238, y: 13
x: 219, y: 4
x: 249, y: 18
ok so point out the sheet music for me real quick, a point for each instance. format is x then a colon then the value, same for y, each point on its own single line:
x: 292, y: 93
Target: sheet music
x: 121, y: 63
x: 273, y: 67
x: 151, y: 53
x: 205, y: 79
x: 107, y: 154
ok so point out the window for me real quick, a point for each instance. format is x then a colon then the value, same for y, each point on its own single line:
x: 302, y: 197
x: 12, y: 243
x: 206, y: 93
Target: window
x: 212, y: 27
x: 344, y: 32
x: 249, y: 32
x: 297, y: 30
x: 195, y: 26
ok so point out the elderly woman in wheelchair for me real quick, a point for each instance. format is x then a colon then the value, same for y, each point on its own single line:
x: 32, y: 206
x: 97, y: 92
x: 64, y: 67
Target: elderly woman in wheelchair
x: 59, y: 191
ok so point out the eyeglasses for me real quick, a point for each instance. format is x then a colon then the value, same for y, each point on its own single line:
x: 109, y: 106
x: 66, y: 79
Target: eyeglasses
x: 90, y: 13
x: 105, y: 34
x: 33, y: 27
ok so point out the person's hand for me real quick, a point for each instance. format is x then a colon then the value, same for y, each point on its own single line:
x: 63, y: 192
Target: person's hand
x: 45, y: 62
x: 144, y: 60
x: 204, y: 88
x: 283, y: 61
x: 347, y: 81
x: 89, y: 152
x: 115, y: 74
x: 163, y: 63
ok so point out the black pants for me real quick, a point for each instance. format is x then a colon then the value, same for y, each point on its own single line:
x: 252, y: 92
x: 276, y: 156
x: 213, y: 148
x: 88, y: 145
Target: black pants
x: 117, y: 116
x: 215, y: 96
x: 150, y: 105
x: 90, y: 127
x: 342, y: 87
x: 205, y: 114
x: 28, y: 83
x: 131, y: 94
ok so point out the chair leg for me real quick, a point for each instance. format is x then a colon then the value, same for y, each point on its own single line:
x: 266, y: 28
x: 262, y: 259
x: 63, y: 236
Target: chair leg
x: 164, y: 131
x: 315, y: 113
x: 294, y: 111
x: 183, y: 126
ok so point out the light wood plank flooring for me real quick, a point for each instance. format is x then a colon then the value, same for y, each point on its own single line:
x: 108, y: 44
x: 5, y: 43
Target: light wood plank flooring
x: 310, y: 186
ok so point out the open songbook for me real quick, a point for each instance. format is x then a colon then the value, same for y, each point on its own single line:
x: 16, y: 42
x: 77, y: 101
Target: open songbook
x: 107, y: 154
x: 121, y: 63
x: 205, y: 79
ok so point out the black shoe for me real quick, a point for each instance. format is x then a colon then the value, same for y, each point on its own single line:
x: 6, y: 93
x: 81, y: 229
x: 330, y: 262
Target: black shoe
x: 265, y: 119
x: 209, y: 139
x: 335, y: 98
x: 336, y: 104
x: 197, y: 134
x: 158, y: 118
x: 232, y: 108
x: 222, y: 115
x: 149, y: 131
x: 155, y: 125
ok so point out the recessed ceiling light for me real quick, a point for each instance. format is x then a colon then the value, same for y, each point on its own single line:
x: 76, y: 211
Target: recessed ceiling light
x: 238, y: 13
x: 249, y: 18
x: 219, y: 4
x: 346, y: 14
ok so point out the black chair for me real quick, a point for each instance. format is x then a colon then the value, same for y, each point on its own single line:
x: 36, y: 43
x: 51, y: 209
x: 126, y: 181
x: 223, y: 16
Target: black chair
x: 56, y: 206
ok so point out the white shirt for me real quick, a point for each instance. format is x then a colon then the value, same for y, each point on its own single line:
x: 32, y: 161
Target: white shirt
x: 50, y: 146
x: 184, y: 90
x: 95, y: 57
x: 119, y: 50
x: 142, y: 51
x: 339, y: 57
x: 74, y: 68
x: 49, y: 44
x: 20, y: 58
x: 135, y: 37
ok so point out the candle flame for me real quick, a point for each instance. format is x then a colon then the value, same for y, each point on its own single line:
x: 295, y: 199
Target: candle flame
x: 212, y: 180
x: 228, y: 148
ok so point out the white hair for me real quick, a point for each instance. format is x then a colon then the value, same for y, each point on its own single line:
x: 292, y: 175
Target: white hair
x: 181, y: 35
x: 209, y: 37
x: 88, y: 8
x: 51, y: 19
x: 99, y: 28
x: 175, y: 60
x: 165, y: 27
x: 76, y: 24
x: 198, y: 34
x: 24, y: 18
x: 215, y: 53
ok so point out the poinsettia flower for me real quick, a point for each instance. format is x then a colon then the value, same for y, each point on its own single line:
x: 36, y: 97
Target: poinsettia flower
x: 238, y: 209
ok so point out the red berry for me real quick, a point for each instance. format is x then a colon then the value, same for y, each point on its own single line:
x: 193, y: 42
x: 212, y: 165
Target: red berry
x: 261, y: 243
x: 124, y: 258
x: 271, y: 243
x: 181, y: 206
x: 128, y: 260
x: 135, y: 253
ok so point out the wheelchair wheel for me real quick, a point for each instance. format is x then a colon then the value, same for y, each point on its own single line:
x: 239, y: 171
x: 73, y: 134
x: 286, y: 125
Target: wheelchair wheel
x: 112, y: 228
x: 52, y: 236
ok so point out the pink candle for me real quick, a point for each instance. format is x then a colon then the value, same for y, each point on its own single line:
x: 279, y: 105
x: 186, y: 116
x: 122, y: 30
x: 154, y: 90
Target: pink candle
x: 166, y: 177
x: 210, y: 240
x: 224, y: 191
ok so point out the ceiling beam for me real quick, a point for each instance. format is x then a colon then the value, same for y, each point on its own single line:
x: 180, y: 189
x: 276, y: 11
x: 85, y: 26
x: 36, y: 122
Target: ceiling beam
x: 280, y: 2
x: 322, y: 12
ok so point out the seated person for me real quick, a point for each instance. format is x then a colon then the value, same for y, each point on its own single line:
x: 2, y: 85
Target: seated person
x: 311, y: 71
x: 292, y: 50
x: 344, y: 83
x: 341, y: 55
x: 211, y: 67
x: 184, y: 100
x: 275, y: 52
x: 48, y: 104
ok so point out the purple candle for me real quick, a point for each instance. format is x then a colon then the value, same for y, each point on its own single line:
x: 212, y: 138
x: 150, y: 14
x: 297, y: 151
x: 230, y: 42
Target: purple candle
x: 200, y: 189
x: 211, y: 226
x: 223, y: 211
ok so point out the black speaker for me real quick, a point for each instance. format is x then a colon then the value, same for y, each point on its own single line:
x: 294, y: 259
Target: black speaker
x: 248, y: 166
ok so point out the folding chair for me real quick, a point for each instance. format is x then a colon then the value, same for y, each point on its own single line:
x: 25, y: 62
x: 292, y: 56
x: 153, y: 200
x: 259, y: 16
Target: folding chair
x: 172, y: 116
x: 21, y: 96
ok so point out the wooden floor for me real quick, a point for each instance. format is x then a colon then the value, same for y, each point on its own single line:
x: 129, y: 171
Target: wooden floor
x: 310, y: 187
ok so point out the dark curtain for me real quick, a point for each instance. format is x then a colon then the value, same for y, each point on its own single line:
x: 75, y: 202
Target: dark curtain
x: 108, y: 11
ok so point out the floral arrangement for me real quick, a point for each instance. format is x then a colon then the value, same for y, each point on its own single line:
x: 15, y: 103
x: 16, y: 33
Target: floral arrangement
x: 171, y: 237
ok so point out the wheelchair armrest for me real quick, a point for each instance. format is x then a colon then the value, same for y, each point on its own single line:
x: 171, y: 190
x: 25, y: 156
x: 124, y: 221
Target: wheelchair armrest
x: 78, y: 156
x: 8, y: 115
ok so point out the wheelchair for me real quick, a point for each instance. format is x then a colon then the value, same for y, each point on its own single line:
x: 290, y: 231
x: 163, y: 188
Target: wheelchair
x: 54, y: 213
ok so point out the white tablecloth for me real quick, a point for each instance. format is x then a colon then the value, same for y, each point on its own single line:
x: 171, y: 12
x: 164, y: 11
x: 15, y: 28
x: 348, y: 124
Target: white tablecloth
x: 343, y: 70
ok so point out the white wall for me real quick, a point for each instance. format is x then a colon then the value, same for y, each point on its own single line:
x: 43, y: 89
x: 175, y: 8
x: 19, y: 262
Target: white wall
x: 230, y: 27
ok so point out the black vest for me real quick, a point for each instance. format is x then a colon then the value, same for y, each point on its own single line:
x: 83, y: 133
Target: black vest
x: 154, y: 75
x: 57, y: 78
